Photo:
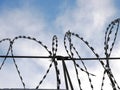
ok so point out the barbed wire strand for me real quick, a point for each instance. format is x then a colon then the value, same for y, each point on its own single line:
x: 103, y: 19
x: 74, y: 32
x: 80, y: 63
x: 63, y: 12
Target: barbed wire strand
x: 7, y: 39
x: 108, y: 50
x: 88, y: 74
x: 44, y: 46
x: 20, y: 76
x: 107, y: 39
x: 54, y: 51
x: 102, y: 63
x: 68, y: 36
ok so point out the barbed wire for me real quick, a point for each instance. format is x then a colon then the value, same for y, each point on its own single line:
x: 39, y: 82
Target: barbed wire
x: 71, y: 51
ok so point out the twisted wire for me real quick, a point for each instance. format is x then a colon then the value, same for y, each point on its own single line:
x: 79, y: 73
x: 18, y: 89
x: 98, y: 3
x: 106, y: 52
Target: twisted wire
x: 84, y: 70
x: 68, y: 35
x: 109, y: 28
x: 92, y: 49
x: 88, y: 74
x: 70, y: 49
x: 10, y: 49
x: 103, y: 79
x: 39, y: 42
x: 33, y: 39
x: 44, y: 76
x: 106, y: 48
x: 54, y: 51
x: 20, y: 76
x: 7, y: 39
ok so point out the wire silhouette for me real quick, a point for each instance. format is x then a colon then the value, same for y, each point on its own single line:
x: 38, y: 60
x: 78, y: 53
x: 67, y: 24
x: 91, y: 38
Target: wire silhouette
x: 112, y: 30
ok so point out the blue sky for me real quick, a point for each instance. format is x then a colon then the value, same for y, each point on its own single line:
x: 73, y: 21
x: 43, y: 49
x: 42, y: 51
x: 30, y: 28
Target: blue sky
x: 44, y: 18
x: 50, y: 8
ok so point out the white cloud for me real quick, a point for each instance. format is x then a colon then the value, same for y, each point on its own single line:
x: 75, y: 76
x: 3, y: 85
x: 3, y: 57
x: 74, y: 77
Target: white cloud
x: 87, y: 18
x: 22, y: 21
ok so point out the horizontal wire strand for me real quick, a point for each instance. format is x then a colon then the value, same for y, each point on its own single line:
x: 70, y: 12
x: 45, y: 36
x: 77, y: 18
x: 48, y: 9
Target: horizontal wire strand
x: 60, y: 57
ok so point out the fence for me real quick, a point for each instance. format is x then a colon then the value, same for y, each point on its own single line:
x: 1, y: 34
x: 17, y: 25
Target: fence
x: 73, y: 56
